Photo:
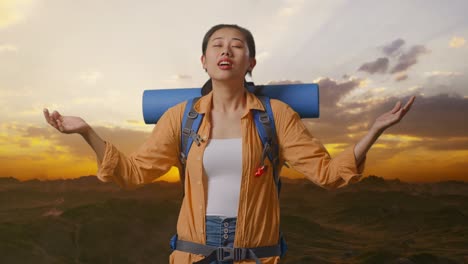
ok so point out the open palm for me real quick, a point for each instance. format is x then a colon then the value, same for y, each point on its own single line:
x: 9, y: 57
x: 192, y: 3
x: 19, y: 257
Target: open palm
x: 66, y: 124
x: 394, y: 116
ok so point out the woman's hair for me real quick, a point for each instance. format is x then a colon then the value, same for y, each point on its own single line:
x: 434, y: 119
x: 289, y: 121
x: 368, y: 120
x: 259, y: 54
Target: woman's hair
x: 208, y: 86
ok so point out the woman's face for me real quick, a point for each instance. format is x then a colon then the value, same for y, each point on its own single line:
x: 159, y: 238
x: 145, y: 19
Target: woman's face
x: 227, y: 55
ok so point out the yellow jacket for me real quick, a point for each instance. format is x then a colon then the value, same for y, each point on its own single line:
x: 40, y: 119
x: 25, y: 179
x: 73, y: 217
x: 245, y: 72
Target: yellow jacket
x: 258, y: 215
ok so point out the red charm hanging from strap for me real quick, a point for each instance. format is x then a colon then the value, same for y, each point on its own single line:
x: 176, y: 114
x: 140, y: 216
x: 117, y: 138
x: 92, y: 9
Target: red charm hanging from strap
x: 261, y: 170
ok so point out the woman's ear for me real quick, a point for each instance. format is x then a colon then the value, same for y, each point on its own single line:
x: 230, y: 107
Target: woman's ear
x: 253, y: 62
x: 202, y: 59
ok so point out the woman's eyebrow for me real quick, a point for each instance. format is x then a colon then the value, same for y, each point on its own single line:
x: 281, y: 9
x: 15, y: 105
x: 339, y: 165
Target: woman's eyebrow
x: 232, y: 39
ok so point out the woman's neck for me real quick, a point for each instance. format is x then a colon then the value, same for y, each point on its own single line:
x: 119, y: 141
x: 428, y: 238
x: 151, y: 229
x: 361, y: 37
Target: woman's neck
x: 228, y: 96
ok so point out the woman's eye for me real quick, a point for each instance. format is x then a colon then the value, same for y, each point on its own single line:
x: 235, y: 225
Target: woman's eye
x: 217, y: 45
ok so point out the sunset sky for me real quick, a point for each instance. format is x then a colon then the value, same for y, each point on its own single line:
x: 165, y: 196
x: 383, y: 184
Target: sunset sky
x: 94, y: 59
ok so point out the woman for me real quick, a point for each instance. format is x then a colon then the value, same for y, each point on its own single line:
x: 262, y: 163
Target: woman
x: 225, y: 205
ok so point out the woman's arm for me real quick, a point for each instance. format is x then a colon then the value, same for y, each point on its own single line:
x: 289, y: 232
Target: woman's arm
x: 383, y: 122
x: 154, y: 158
x: 96, y: 143
x: 76, y: 125
x: 307, y: 155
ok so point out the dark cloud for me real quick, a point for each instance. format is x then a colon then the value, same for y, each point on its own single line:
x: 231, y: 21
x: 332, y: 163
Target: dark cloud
x: 378, y: 66
x: 332, y: 91
x: 404, y: 59
x: 447, y: 144
x: 409, y: 58
x: 448, y: 82
x: 440, y: 116
x: 401, y: 77
x: 126, y: 140
x: 393, y: 48
x: 331, y: 126
x: 332, y: 123
x: 37, y: 132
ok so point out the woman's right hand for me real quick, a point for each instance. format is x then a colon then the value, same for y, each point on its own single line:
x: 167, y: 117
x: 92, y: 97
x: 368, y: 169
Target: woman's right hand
x: 66, y: 124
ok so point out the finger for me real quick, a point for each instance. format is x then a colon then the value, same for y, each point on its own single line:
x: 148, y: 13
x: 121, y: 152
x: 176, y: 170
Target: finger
x: 56, y: 115
x: 60, y: 125
x: 409, y: 103
x: 49, y: 119
x: 396, y: 108
x: 46, y: 115
x: 400, y: 114
x: 406, y: 108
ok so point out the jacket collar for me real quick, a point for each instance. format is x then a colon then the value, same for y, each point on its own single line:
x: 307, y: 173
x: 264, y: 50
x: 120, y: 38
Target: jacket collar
x: 203, y: 105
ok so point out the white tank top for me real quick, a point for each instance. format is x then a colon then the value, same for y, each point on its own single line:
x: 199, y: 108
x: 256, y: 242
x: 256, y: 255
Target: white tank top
x: 223, y: 166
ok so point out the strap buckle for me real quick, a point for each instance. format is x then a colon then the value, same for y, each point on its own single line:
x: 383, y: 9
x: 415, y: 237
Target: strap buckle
x: 234, y: 254
x: 190, y: 133
x: 221, y: 256
x: 192, y: 114
x: 264, y: 118
x: 187, y: 131
x: 183, y: 158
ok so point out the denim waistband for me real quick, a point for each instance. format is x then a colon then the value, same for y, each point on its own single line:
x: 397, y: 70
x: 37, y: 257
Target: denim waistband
x: 220, y: 232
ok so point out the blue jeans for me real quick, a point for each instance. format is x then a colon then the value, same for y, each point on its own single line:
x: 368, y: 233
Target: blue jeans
x: 220, y: 232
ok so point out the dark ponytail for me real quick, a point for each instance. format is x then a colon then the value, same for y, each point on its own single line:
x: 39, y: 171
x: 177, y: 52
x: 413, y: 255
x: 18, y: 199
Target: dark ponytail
x: 207, y: 87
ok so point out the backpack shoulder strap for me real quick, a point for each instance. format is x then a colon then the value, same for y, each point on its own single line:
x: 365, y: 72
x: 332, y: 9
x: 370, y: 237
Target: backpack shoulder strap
x: 265, y: 124
x: 190, y: 125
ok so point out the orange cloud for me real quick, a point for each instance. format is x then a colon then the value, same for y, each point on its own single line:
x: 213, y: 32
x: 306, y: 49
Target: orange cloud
x: 420, y: 165
x: 457, y: 42
x: 29, y: 152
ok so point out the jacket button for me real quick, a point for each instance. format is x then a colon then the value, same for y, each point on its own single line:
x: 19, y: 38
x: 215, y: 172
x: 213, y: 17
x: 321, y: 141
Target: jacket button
x: 226, y: 236
x: 226, y: 224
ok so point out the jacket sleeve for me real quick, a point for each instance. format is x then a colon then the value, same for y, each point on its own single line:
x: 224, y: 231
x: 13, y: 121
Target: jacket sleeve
x: 153, y: 159
x: 307, y: 154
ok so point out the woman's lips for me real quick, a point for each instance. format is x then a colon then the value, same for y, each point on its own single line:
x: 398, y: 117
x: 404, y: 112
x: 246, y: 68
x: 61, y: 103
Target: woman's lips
x: 225, y: 64
x: 225, y: 67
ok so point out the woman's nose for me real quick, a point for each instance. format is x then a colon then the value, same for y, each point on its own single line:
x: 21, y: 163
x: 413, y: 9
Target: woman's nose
x: 226, y: 52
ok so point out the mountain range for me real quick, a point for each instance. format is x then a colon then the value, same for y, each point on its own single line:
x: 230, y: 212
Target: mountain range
x: 373, y: 221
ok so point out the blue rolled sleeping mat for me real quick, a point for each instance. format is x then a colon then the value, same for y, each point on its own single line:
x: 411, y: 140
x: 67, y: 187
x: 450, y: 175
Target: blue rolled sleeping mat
x: 303, y: 98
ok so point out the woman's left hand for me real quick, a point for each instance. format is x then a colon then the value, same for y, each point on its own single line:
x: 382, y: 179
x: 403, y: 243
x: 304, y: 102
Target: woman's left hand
x: 392, y: 117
